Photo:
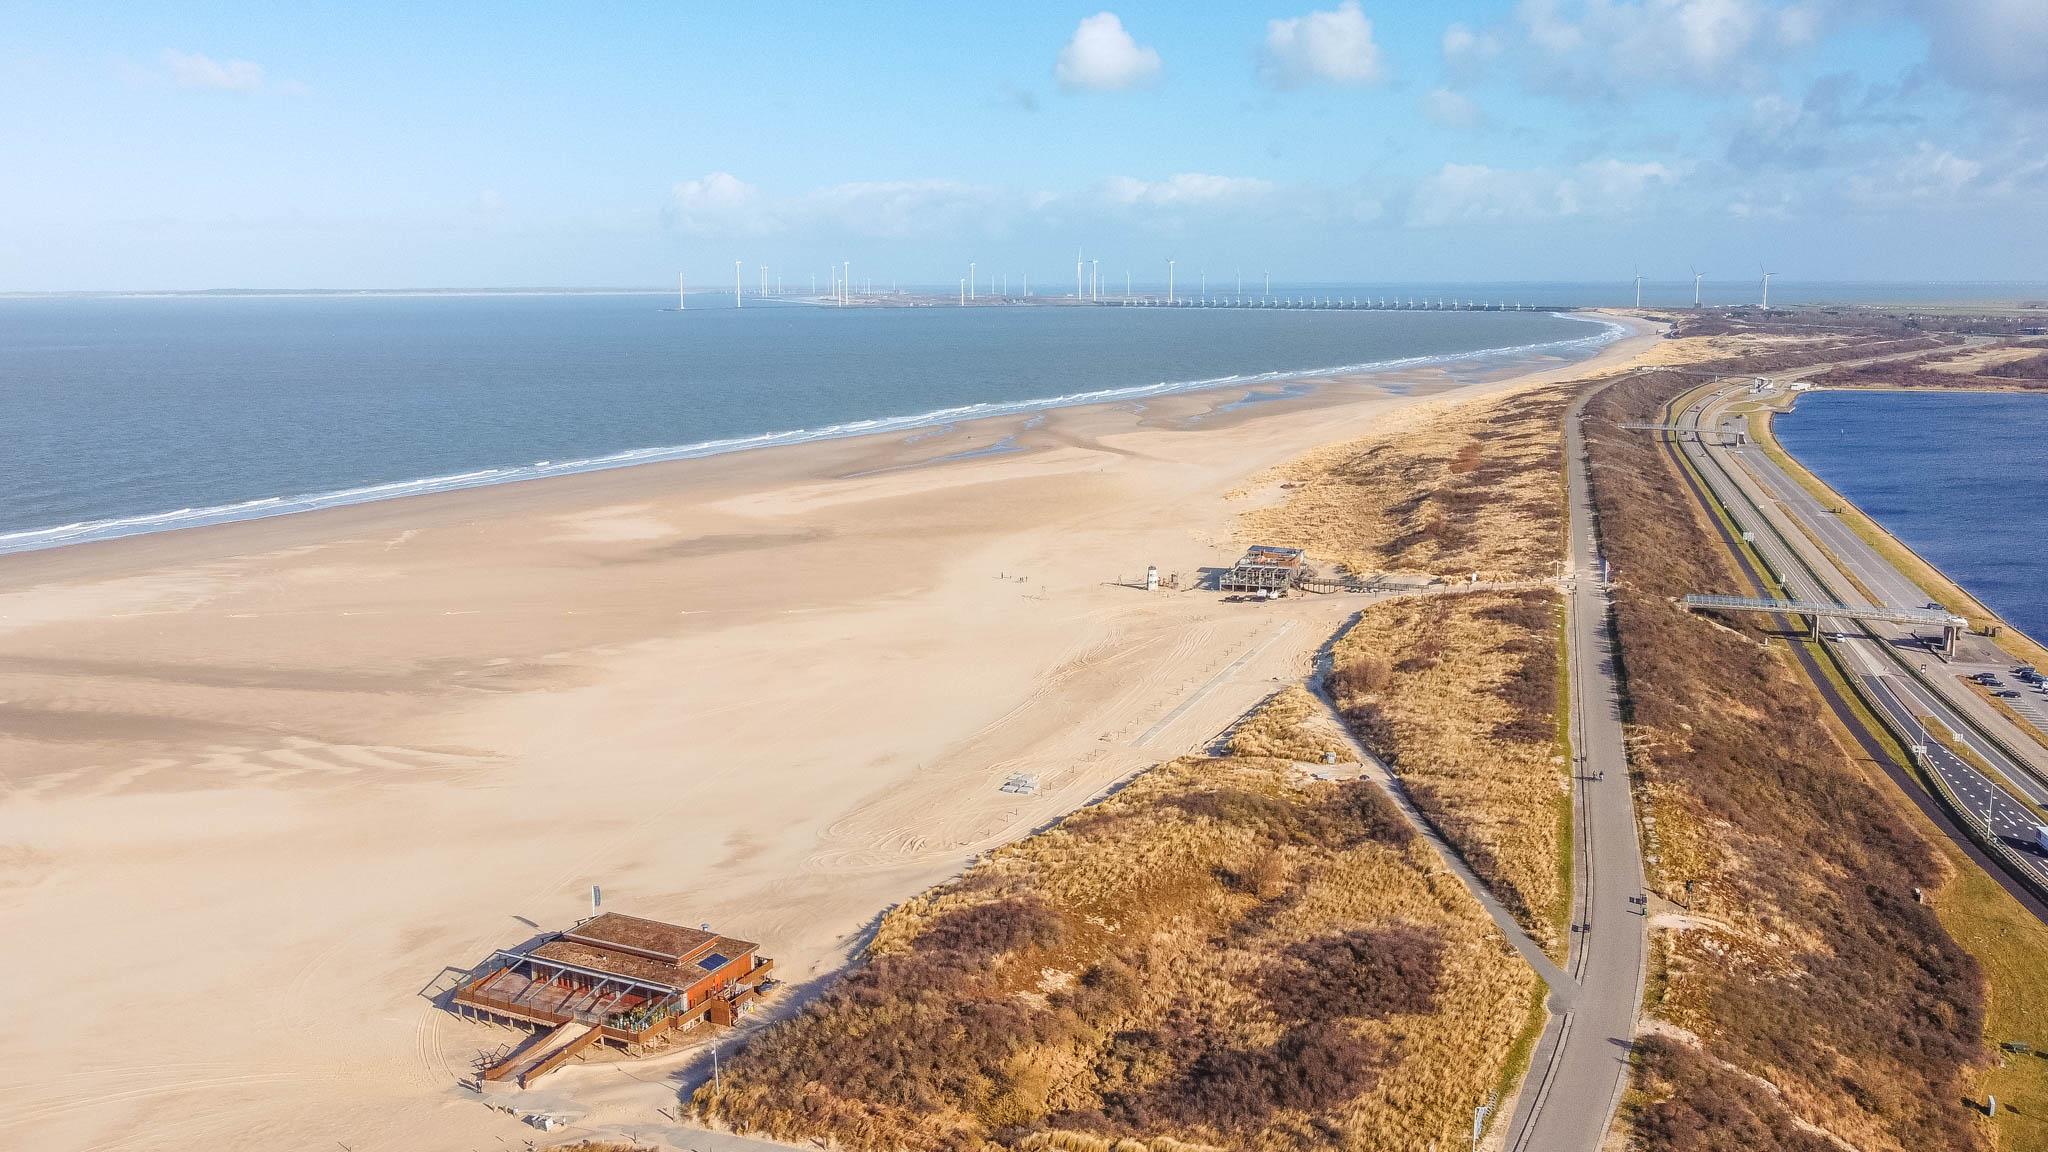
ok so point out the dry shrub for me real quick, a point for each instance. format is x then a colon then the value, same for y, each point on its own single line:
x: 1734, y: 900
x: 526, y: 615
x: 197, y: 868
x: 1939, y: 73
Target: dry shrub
x: 980, y: 931
x: 1687, y: 1103
x: 1367, y: 972
x: 1825, y: 978
x: 1465, y: 710
x: 1364, y: 676
x: 1115, y: 983
x: 1312, y: 1068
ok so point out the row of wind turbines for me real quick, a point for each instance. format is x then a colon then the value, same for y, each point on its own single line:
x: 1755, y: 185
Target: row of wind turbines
x: 1697, y: 277
x: 841, y: 275
x: 1088, y: 283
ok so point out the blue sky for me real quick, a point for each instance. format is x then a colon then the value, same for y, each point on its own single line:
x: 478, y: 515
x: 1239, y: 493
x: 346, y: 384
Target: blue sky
x: 194, y: 146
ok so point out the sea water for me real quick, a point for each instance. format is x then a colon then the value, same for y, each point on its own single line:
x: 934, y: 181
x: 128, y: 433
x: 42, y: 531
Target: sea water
x: 122, y: 415
x: 1957, y: 477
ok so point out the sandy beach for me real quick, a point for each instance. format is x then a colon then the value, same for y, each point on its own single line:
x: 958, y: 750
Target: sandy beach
x: 263, y: 785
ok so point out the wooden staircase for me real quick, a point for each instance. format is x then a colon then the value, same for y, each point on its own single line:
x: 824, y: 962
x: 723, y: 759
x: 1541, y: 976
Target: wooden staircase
x: 554, y: 1049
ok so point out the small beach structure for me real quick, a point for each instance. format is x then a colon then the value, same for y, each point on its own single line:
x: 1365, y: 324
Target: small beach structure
x: 611, y: 979
x: 1263, y: 568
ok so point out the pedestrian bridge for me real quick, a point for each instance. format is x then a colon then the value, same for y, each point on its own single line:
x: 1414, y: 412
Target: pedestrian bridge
x: 1951, y: 624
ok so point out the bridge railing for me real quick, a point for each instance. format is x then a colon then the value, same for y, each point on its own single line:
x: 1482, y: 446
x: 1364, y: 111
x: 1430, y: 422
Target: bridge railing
x: 1934, y: 616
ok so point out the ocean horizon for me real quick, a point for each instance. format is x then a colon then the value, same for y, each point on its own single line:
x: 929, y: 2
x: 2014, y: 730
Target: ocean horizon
x: 147, y: 414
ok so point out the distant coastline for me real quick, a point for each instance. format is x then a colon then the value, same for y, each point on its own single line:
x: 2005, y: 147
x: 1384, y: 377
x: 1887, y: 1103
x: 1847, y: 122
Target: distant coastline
x: 272, y: 505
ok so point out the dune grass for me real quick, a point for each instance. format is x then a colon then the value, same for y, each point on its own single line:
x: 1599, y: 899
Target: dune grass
x: 1461, y: 489
x: 1288, y: 726
x: 1224, y: 954
x: 1459, y: 695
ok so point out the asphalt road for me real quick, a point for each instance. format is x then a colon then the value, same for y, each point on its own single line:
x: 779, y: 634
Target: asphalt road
x: 1581, y: 1065
x: 1765, y: 515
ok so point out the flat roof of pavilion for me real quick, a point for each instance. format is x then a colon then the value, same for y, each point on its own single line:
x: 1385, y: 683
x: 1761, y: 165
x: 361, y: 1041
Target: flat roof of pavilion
x: 637, y: 934
x: 646, y: 952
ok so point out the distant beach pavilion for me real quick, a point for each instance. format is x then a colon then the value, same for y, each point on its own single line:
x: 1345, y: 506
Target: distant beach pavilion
x: 1263, y: 568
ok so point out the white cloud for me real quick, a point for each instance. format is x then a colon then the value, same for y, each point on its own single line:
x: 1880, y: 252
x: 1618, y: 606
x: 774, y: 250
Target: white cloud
x: 1476, y: 192
x: 1335, y: 47
x: 1989, y: 44
x: 1610, y: 47
x: 1101, y: 55
x: 1448, y: 109
x: 1185, y: 189
x: 1466, y: 49
x: 193, y: 70
x: 1928, y: 174
x: 1458, y: 192
x: 1800, y: 25
x: 721, y: 204
x: 895, y: 209
x: 1616, y: 185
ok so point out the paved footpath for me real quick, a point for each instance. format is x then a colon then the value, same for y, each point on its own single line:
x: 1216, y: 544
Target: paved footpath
x: 1581, y: 1066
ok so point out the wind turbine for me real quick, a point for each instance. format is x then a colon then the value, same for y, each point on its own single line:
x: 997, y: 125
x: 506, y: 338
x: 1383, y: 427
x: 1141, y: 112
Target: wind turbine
x: 1169, y: 281
x: 1695, y: 286
x: 970, y: 279
x: 1767, y: 286
x: 1639, y: 286
x: 736, y: 283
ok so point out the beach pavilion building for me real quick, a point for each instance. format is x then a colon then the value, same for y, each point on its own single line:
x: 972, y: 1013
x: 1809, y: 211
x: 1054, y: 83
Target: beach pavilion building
x: 613, y: 979
x: 1263, y: 568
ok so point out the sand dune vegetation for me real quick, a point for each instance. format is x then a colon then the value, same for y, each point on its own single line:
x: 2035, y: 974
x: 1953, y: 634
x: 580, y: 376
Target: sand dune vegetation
x: 1468, y: 488
x: 1804, y: 962
x: 2000, y: 369
x: 1288, y: 726
x: 1459, y: 695
x: 1226, y: 953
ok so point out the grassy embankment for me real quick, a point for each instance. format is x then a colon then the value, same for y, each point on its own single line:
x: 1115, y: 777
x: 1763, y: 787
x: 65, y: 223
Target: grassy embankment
x: 1804, y: 991
x: 1225, y: 953
x: 1460, y: 694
